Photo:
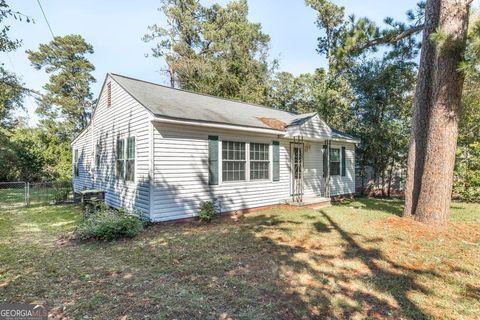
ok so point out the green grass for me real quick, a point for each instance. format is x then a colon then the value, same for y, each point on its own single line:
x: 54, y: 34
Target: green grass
x: 355, y: 260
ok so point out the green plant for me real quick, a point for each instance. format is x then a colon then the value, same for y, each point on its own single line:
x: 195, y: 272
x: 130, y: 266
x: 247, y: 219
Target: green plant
x: 208, y: 211
x: 109, y: 224
x: 60, y: 194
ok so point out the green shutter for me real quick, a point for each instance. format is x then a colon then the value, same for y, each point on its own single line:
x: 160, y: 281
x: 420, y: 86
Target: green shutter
x: 325, y: 161
x: 276, y: 161
x: 344, y: 169
x: 213, y: 160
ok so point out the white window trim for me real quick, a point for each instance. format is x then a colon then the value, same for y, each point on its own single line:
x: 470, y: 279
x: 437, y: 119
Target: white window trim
x: 339, y: 148
x: 270, y: 171
x: 125, y: 151
x: 247, y: 161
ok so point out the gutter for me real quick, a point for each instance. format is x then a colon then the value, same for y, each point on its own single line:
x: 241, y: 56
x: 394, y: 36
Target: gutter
x: 217, y: 125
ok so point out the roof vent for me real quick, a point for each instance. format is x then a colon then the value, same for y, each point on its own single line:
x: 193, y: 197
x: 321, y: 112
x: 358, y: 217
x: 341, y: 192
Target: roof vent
x: 109, y: 94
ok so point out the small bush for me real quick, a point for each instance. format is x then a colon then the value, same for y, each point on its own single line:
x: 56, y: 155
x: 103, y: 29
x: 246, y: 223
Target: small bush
x: 109, y: 224
x: 207, y: 211
x: 60, y: 194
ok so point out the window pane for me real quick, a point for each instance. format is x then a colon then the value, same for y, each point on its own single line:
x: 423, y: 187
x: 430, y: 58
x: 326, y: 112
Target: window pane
x: 233, y: 150
x: 233, y: 164
x: 259, y: 170
x: 259, y: 151
x: 334, y: 154
x: 130, y: 173
x: 334, y: 168
x: 120, y: 169
x: 120, y: 149
x: 131, y: 148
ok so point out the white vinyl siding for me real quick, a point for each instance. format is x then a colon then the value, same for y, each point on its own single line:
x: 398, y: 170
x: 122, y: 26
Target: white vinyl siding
x: 82, y: 171
x: 124, y: 118
x: 181, y: 174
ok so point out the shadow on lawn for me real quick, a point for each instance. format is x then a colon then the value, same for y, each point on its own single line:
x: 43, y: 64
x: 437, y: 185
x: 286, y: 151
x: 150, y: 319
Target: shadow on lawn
x: 396, y: 281
x: 383, y: 277
x: 391, y: 206
x: 255, y: 268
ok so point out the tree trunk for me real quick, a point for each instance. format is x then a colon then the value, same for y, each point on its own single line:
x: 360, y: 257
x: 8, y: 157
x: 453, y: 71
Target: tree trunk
x: 436, y: 112
x: 390, y: 178
x: 383, y: 182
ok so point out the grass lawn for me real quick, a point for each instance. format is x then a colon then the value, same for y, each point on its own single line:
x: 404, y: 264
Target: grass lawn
x: 356, y: 260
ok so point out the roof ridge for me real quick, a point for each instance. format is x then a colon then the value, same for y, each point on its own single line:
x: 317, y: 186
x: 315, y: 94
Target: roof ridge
x: 204, y: 94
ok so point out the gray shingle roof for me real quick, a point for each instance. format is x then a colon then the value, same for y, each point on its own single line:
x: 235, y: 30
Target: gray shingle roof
x: 174, y: 103
x: 167, y: 102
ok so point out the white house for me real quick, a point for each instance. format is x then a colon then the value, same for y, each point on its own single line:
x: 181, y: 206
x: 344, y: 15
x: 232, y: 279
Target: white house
x: 163, y: 151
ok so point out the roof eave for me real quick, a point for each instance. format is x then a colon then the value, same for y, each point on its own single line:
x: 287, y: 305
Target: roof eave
x: 217, y: 125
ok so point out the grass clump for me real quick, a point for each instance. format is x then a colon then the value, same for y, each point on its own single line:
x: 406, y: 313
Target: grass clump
x: 109, y: 224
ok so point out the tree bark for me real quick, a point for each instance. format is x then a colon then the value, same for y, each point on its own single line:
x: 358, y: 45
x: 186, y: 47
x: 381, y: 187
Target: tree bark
x: 436, y: 112
x: 390, y: 178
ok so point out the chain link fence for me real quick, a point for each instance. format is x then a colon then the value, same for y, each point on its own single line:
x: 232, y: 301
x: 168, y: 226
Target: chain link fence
x: 14, y: 194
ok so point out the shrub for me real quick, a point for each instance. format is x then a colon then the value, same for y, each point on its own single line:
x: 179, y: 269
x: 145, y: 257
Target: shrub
x: 109, y: 224
x: 60, y: 194
x: 207, y: 211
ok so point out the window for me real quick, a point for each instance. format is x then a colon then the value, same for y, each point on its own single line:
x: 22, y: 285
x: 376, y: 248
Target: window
x: 98, y: 152
x: 334, y: 162
x: 75, y: 163
x: 233, y: 161
x: 259, y: 161
x: 130, y: 165
x: 126, y: 159
x: 120, y: 159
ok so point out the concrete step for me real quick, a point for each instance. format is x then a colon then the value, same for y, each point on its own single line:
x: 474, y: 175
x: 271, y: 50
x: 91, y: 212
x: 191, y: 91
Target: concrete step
x: 311, y: 202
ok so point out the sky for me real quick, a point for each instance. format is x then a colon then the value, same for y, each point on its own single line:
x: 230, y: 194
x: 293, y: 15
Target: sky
x: 115, y: 29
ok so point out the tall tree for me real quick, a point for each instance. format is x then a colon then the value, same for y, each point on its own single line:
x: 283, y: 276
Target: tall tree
x: 383, y: 91
x: 7, y: 43
x: 467, y: 166
x: 344, y: 40
x: 11, y: 90
x: 436, y: 112
x: 214, y: 50
x: 68, y: 96
x: 11, y: 98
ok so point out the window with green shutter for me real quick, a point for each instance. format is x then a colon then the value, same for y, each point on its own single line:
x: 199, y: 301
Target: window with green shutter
x: 344, y: 162
x: 334, y: 161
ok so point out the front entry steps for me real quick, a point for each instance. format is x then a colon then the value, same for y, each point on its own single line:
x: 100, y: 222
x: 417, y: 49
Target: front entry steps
x: 311, y: 202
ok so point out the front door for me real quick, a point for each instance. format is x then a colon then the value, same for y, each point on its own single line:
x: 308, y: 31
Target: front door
x: 297, y: 151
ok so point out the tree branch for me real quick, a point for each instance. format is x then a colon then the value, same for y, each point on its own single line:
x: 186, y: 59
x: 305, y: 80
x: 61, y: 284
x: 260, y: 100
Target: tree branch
x: 392, y: 38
